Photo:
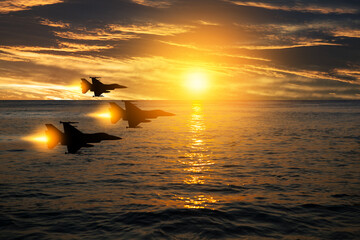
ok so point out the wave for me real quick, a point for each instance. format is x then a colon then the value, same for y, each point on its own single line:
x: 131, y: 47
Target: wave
x: 236, y: 221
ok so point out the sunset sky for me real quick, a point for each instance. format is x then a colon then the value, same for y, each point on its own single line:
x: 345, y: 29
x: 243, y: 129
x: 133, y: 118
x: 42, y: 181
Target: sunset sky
x: 181, y: 49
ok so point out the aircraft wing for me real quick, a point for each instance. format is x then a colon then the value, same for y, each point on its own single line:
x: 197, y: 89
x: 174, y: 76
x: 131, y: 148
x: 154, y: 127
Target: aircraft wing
x: 75, y: 138
x: 133, y: 122
x: 134, y: 114
x: 71, y: 131
x: 131, y: 107
x: 98, y: 92
x: 73, y: 148
x: 98, y: 87
x: 96, y: 82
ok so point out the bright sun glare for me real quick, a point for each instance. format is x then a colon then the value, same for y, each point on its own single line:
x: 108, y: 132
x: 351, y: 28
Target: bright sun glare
x: 197, y: 81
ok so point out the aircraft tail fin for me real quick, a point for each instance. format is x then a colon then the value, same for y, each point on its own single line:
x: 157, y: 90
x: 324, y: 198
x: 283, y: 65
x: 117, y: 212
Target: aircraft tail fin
x: 54, y: 136
x: 116, y: 112
x: 85, y: 85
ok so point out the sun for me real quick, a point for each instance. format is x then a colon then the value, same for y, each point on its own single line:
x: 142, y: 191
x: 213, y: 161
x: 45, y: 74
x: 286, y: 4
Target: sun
x: 197, y: 81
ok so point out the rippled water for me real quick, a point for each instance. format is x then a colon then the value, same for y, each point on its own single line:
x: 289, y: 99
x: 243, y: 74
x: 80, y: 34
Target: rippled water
x: 231, y: 170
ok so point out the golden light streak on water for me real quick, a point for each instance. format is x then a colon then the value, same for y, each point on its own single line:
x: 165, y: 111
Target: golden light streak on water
x: 195, y: 180
x: 197, y: 202
x: 197, y: 158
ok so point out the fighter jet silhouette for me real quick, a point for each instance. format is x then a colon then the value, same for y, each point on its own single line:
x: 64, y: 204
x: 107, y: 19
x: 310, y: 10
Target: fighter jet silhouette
x: 73, y: 138
x: 97, y: 87
x: 133, y: 114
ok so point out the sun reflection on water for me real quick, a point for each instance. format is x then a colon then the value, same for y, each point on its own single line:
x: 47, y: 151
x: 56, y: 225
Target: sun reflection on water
x: 197, y: 202
x: 195, y: 180
x: 196, y: 159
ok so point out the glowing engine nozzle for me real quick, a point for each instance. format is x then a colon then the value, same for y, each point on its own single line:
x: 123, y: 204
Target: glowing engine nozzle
x: 54, y: 136
x: 85, y: 85
x: 116, y: 112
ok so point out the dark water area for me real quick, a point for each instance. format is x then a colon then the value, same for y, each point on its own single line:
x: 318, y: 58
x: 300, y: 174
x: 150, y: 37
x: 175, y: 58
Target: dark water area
x: 216, y: 170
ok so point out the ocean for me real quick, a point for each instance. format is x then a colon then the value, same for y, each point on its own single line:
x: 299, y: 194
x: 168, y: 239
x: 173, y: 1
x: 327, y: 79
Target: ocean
x: 216, y: 170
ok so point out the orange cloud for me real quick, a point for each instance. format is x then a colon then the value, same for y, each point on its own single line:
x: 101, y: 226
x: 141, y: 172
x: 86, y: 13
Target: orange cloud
x: 7, y: 6
x: 18, y: 51
x: 341, y: 32
x: 11, y: 88
x: 153, y: 3
x: 213, y: 51
x: 95, y: 35
x: 76, y: 47
x: 58, y: 24
x: 160, y: 29
x: 302, y: 73
x: 300, y: 8
x: 120, y: 32
x: 207, y: 23
x: 296, y: 45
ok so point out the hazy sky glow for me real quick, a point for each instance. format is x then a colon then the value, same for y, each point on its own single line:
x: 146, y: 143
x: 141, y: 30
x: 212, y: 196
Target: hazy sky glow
x: 259, y: 49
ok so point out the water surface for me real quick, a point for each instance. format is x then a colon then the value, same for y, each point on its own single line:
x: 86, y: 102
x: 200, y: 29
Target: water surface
x: 231, y: 170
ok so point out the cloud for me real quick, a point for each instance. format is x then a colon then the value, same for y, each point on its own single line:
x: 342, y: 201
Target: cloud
x: 7, y: 6
x: 252, y: 49
x: 58, y: 24
x: 351, y: 33
x: 302, y: 73
x: 36, y: 90
x: 97, y: 35
x: 207, y: 23
x: 295, y: 45
x: 153, y: 3
x: 301, y: 7
x: 26, y: 51
x: 160, y: 29
x: 213, y: 52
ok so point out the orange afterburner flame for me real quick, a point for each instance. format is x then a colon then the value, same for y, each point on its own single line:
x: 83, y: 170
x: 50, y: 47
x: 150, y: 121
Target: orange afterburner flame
x: 37, y: 138
x: 53, y: 138
x: 101, y: 114
x: 50, y: 138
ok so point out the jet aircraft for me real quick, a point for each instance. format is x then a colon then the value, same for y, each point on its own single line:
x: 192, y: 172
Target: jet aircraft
x: 133, y: 114
x: 97, y: 87
x: 73, y: 138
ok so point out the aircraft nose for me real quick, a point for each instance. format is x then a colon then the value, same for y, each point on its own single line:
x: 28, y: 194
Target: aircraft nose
x: 111, y: 137
x: 120, y: 86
